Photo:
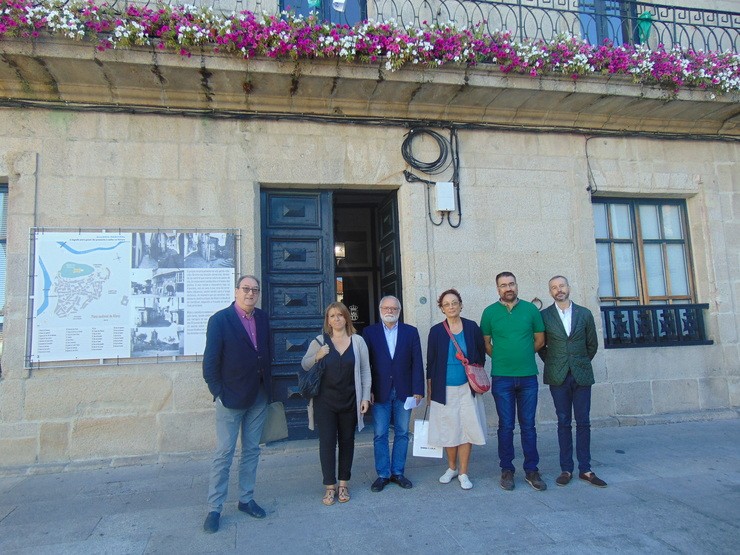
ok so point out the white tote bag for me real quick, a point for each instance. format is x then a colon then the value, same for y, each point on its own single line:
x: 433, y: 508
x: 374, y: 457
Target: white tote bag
x: 421, y: 441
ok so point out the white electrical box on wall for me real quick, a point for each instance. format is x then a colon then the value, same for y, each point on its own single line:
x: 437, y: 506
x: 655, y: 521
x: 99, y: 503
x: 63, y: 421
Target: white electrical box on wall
x: 444, y: 192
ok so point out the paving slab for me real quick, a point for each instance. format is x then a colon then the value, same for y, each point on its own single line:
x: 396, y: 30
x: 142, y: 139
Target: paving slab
x: 673, y: 488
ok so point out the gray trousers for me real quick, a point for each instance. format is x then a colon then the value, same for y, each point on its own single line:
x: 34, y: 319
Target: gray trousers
x: 229, y: 422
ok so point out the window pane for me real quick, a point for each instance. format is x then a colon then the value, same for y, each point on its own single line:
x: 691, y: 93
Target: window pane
x: 602, y: 229
x: 2, y: 282
x: 649, y: 221
x: 606, y: 287
x: 601, y: 20
x: 620, y: 219
x: 624, y: 259
x: 677, y: 269
x: 654, y: 270
x: 3, y: 214
x: 672, y: 222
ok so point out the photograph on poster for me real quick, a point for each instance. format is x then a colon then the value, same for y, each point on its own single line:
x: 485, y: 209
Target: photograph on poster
x: 157, y: 250
x: 209, y: 250
x: 158, y: 307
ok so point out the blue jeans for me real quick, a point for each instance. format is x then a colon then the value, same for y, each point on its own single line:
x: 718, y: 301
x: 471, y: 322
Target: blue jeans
x: 229, y: 422
x: 571, y: 399
x: 516, y: 396
x: 386, y: 466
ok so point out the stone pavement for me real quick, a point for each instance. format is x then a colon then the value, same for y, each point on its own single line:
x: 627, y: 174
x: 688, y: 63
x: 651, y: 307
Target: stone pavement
x: 673, y: 488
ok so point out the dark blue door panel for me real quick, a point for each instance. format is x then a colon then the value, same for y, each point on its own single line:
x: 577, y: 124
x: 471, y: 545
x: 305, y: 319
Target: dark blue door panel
x: 298, y: 282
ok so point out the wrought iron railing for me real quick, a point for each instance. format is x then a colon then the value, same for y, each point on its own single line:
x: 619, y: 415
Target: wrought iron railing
x: 621, y: 21
x: 662, y: 325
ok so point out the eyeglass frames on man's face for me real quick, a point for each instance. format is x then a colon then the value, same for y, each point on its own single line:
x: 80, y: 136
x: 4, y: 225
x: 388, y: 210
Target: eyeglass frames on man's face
x: 255, y: 290
x: 389, y: 308
x: 452, y: 304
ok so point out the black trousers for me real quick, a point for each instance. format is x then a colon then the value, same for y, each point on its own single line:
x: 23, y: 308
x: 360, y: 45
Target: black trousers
x: 335, y: 428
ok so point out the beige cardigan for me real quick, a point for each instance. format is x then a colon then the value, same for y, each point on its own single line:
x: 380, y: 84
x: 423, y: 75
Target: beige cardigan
x: 363, y: 377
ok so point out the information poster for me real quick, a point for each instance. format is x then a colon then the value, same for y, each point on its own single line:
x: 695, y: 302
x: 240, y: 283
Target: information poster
x: 104, y: 295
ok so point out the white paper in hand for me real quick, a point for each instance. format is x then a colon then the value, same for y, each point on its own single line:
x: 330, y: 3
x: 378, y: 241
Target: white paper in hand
x: 410, y: 403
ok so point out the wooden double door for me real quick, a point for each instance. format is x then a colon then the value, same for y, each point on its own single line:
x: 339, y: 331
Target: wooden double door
x: 319, y: 247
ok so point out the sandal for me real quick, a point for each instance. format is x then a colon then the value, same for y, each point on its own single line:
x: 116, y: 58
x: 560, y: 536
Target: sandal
x: 329, y: 496
x: 343, y: 494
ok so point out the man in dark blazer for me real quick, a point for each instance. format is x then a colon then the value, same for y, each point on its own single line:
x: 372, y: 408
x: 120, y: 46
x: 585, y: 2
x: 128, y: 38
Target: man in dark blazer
x: 397, y: 374
x: 570, y: 345
x: 236, y: 367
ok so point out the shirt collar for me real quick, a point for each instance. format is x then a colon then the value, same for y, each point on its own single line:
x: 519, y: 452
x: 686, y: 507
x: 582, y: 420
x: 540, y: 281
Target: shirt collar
x: 506, y: 306
x: 242, y: 313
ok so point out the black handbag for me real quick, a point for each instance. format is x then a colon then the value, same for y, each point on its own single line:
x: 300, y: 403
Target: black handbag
x: 309, y: 382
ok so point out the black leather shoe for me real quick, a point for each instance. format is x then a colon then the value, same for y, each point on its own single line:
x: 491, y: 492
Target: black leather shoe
x: 252, y: 509
x: 379, y: 484
x: 211, y: 523
x: 402, y: 481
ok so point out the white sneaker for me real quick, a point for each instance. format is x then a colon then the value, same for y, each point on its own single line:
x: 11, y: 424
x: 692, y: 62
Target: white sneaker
x: 465, y: 482
x: 447, y: 477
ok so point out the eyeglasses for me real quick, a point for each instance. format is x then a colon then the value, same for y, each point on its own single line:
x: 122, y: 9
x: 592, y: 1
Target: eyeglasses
x: 505, y: 285
x: 255, y: 290
x: 389, y: 308
x: 452, y: 304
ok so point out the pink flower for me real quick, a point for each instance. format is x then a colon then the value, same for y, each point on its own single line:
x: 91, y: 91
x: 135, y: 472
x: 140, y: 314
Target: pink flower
x: 182, y: 28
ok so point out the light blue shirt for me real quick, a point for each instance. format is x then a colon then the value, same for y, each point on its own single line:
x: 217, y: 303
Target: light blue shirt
x: 391, y: 337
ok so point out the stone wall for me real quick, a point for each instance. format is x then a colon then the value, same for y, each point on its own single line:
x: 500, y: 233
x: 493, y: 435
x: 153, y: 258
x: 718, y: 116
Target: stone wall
x: 525, y: 209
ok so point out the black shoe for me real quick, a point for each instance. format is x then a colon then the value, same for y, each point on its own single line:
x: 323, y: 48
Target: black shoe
x: 402, y: 481
x: 507, y: 480
x: 534, y: 480
x: 564, y: 478
x: 592, y: 479
x: 379, y: 484
x: 252, y: 509
x: 211, y: 523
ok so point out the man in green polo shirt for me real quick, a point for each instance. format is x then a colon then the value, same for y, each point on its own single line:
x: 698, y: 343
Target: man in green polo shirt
x: 513, y: 331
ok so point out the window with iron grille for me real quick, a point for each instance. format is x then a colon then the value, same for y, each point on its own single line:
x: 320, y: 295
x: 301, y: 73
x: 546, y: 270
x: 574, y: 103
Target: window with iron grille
x: 646, y: 287
x: 607, y: 20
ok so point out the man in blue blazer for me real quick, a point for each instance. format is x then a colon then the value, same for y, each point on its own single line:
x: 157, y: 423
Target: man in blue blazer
x: 397, y: 373
x: 570, y: 345
x: 236, y: 367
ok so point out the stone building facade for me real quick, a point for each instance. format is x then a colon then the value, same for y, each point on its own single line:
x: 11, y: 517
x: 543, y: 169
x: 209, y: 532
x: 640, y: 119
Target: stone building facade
x: 100, y: 140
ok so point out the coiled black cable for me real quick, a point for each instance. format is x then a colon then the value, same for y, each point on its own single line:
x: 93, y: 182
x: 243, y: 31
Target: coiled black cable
x: 430, y: 168
x: 448, y: 154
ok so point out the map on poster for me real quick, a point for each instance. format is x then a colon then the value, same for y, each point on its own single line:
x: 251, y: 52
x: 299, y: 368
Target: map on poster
x: 104, y: 295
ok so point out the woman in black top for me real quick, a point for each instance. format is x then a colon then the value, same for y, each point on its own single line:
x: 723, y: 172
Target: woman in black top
x: 343, y: 399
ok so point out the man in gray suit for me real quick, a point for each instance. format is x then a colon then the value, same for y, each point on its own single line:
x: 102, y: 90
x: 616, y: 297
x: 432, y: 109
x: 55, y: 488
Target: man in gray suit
x: 570, y: 345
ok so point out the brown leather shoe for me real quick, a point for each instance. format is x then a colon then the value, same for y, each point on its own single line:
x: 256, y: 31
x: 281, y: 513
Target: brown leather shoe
x: 535, y: 480
x: 563, y: 479
x: 507, y: 480
x: 592, y: 479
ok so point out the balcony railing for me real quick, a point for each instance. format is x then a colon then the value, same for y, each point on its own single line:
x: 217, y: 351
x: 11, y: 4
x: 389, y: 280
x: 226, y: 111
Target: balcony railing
x: 620, y: 21
x: 663, y: 325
